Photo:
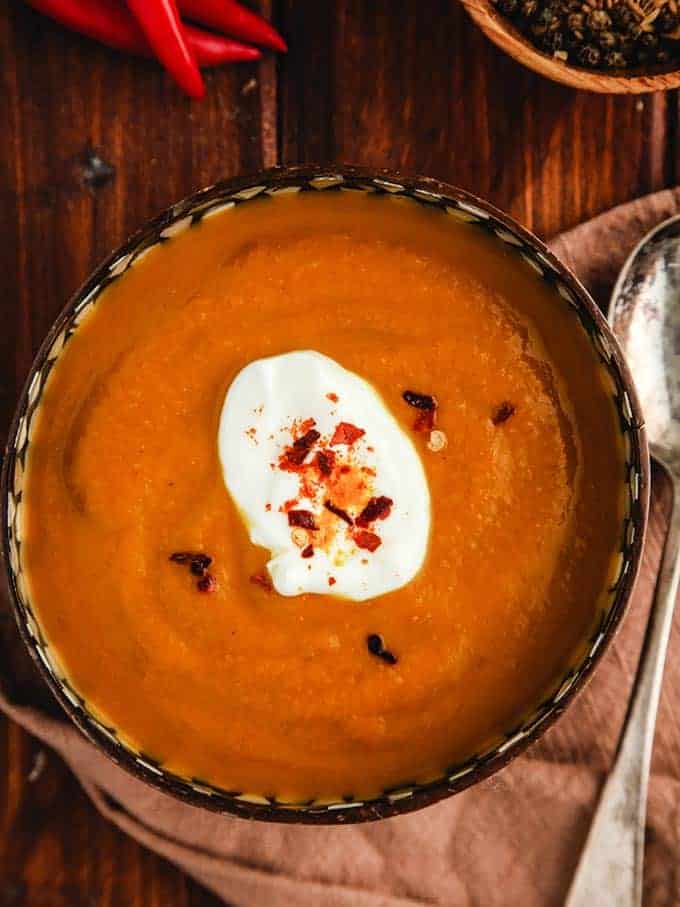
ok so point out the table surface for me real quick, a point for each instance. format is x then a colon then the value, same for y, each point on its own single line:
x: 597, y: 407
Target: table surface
x: 409, y: 85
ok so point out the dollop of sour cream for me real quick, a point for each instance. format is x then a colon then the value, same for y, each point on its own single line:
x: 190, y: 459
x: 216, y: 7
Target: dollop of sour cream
x: 324, y: 477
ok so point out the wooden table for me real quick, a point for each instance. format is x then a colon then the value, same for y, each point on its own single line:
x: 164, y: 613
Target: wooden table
x: 409, y: 84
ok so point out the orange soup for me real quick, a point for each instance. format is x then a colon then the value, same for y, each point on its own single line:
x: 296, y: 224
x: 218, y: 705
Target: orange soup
x: 459, y: 369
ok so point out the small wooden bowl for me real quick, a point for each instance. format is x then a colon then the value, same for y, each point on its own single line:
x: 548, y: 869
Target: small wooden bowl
x: 503, y: 33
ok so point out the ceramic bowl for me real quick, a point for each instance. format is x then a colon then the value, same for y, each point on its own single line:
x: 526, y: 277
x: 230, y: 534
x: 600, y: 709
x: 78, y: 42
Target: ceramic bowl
x: 503, y: 33
x: 458, y: 205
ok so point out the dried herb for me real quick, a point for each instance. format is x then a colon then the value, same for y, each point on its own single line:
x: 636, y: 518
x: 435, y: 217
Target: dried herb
x: 376, y: 646
x: 600, y: 34
x: 302, y: 518
x: 376, y: 509
x: 339, y: 512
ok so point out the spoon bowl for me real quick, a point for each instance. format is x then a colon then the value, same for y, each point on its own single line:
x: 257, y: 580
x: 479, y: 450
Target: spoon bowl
x: 645, y: 316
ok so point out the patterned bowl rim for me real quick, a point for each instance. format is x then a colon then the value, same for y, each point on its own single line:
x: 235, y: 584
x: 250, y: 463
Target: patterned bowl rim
x: 463, y: 206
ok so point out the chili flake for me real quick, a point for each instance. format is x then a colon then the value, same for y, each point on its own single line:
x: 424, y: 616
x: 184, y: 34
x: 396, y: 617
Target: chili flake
x: 376, y: 509
x: 368, y: 540
x: 207, y: 583
x: 308, y: 551
x: 325, y: 460
x: 425, y: 420
x: 346, y: 433
x: 339, y: 512
x: 296, y: 454
x: 302, y: 518
x: 263, y: 580
x: 502, y: 413
x: 331, y: 580
x: 333, y: 397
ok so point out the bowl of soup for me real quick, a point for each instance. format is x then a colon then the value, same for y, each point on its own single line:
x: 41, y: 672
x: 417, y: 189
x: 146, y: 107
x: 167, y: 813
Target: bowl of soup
x: 324, y: 496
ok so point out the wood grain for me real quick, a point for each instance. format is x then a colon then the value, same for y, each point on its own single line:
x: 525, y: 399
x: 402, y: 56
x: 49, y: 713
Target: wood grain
x: 418, y: 87
x: 408, y: 85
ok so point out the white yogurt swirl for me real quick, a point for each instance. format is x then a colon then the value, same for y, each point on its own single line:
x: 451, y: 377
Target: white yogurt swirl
x: 282, y: 489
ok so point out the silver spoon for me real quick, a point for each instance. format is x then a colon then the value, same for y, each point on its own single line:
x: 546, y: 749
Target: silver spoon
x: 645, y: 314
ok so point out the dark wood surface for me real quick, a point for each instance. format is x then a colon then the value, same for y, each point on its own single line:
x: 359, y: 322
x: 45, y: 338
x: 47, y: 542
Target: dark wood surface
x: 409, y: 85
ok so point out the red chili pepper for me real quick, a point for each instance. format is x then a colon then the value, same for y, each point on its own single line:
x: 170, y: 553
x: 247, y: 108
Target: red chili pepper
x: 163, y: 29
x: 232, y: 18
x: 110, y: 23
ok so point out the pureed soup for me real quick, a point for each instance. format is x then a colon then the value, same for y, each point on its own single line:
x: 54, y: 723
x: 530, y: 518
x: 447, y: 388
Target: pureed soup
x: 324, y: 496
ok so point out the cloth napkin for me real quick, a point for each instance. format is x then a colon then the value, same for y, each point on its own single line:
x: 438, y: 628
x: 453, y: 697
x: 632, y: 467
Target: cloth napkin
x: 513, y: 839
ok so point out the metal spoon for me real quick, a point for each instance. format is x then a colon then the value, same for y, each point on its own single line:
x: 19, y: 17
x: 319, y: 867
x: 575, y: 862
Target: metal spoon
x: 645, y: 314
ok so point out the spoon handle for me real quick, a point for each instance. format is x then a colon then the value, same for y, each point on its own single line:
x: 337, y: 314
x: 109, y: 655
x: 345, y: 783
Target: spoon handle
x: 611, y: 864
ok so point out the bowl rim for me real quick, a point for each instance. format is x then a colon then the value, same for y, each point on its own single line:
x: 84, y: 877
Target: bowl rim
x: 504, y: 34
x: 407, y: 797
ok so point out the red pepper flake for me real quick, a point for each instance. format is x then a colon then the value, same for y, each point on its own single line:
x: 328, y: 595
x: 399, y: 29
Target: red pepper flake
x: 331, y: 580
x: 345, y: 469
x: 339, y: 512
x: 302, y: 518
x: 308, y: 551
x: 376, y: 509
x: 207, y: 583
x: 368, y: 540
x: 304, y: 426
x: 333, y: 397
x: 267, y: 507
x: 346, y: 433
x: 325, y: 460
x: 297, y: 453
x: 420, y: 401
x: 426, y: 405
x: 502, y: 413
x: 425, y: 420
x: 290, y: 504
x: 263, y: 580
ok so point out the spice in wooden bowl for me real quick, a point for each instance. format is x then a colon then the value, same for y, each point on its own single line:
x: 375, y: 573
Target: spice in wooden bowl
x: 600, y: 34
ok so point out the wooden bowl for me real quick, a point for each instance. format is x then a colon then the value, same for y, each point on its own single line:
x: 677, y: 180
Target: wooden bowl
x: 503, y: 33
